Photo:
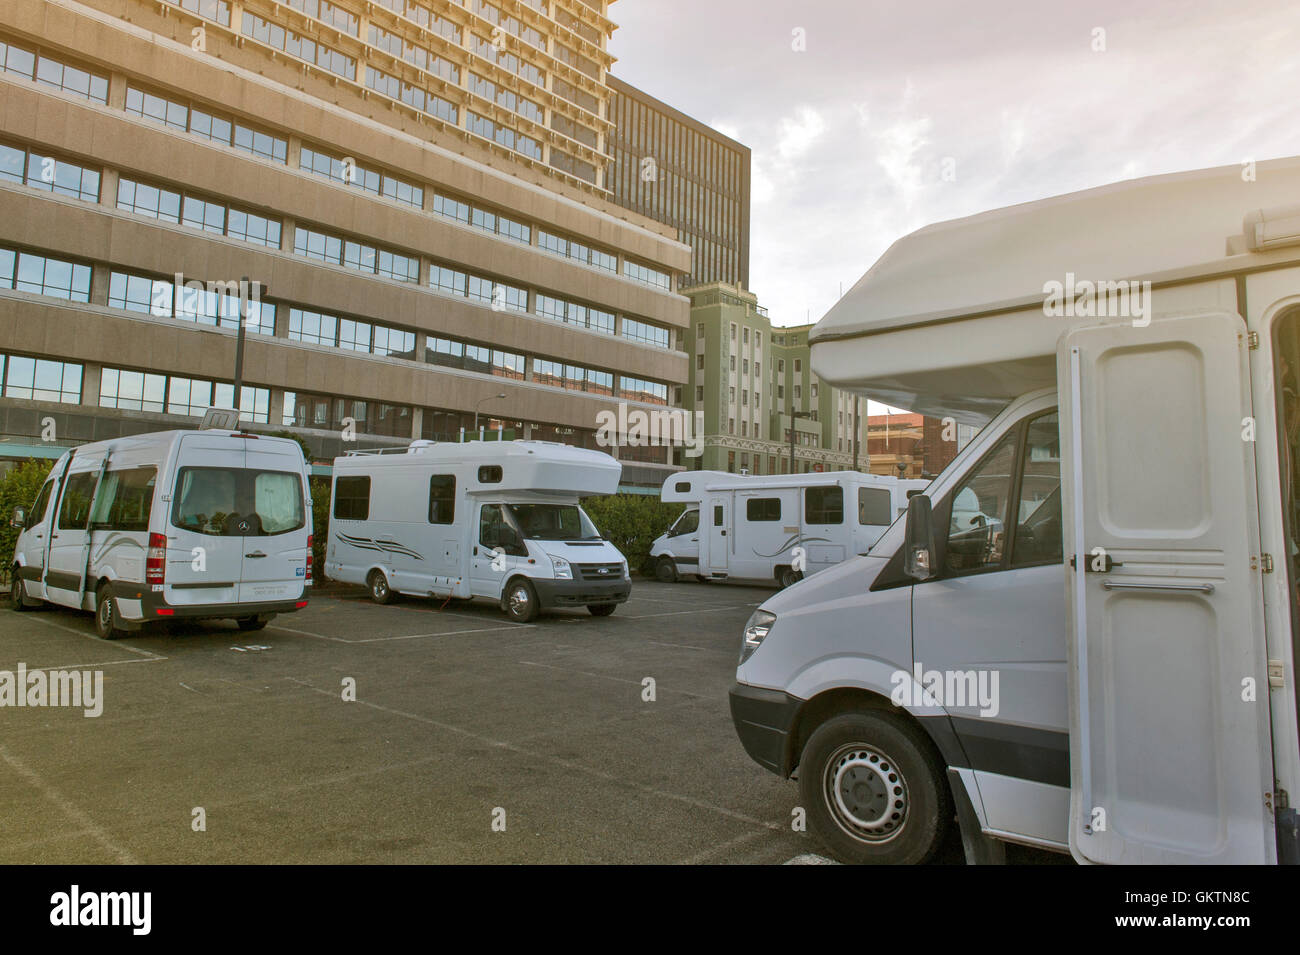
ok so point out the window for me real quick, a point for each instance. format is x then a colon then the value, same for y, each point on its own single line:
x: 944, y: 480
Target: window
x: 874, y: 506
x: 824, y: 505
x: 977, y: 521
x: 1038, y: 537
x: 352, y: 498
x: 50, y: 174
x: 132, y: 390
x: 489, y: 474
x: 26, y: 272
x: 764, y: 509
x: 77, y: 493
x: 442, y: 499
x: 40, y: 379
x: 237, y: 502
x: 717, y: 514
x: 125, y: 500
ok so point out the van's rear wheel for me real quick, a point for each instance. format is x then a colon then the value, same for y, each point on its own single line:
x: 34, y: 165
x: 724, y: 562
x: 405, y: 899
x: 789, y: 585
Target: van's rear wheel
x: 874, y: 790
x: 601, y: 610
x: 666, y: 571
x: 106, y: 615
x: 520, y: 601
x: 252, y: 623
x: 380, y: 592
x: 788, y: 576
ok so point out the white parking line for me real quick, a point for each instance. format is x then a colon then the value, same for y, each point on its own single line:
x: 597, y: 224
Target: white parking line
x: 678, y: 613
x: 810, y: 858
x: 90, y: 636
x: 615, y: 679
x: 410, y: 636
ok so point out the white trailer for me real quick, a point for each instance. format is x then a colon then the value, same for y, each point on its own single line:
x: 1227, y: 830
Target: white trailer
x: 498, y: 519
x: 207, y: 523
x: 1104, y: 663
x: 779, y: 527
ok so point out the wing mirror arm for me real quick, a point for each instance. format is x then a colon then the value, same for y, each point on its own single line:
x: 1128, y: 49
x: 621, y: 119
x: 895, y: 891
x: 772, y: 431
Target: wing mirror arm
x: 919, y: 549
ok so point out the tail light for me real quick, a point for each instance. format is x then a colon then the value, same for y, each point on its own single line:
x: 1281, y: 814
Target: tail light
x: 155, y: 561
x: 309, y: 538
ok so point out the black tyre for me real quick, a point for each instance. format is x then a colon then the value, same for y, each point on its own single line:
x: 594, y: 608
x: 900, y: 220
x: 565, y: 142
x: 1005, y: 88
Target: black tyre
x: 252, y: 623
x: 520, y: 601
x: 106, y: 615
x: 874, y: 790
x: 666, y: 571
x: 380, y: 592
x: 788, y: 576
x: 17, y: 592
x: 601, y: 610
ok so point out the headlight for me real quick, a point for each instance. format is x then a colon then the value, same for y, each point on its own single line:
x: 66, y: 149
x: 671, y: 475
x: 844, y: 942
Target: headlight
x: 562, y: 569
x: 626, y: 575
x: 756, y: 631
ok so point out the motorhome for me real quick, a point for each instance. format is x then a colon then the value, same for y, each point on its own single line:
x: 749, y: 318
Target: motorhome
x: 198, y: 524
x: 1083, y: 635
x: 773, y: 527
x: 494, y: 519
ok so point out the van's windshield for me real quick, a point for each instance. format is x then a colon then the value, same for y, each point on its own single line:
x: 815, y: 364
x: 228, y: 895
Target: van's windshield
x: 553, y: 522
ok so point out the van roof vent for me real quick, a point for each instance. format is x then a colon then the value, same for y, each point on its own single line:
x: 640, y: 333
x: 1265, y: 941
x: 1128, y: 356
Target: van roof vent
x: 418, y: 446
x: 221, y: 419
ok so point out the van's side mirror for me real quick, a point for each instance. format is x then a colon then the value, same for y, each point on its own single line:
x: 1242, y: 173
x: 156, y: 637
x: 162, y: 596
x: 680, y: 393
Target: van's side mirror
x: 18, y: 519
x: 919, y: 549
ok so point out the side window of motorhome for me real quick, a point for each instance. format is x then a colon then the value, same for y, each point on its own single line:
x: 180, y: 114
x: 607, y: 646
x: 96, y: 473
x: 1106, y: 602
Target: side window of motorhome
x: 976, y: 529
x: 683, y: 487
x: 823, y: 505
x: 717, y: 515
x: 763, y: 509
x: 125, y: 500
x: 352, y: 498
x: 489, y: 474
x: 76, y: 500
x: 234, y: 502
x: 37, y: 513
x: 1038, y: 521
x: 873, y: 506
x: 442, y: 499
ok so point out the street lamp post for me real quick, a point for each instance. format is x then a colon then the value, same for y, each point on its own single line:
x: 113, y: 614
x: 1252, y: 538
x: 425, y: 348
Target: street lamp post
x: 483, y: 402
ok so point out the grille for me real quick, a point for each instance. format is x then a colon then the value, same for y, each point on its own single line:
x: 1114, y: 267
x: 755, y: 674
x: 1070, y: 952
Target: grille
x: 599, y: 571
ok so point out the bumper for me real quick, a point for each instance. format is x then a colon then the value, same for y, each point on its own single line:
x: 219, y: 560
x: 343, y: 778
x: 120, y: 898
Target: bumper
x: 580, y: 593
x: 154, y: 607
x: 764, y: 721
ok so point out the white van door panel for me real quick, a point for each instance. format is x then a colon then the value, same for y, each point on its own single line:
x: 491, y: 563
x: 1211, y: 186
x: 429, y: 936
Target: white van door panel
x: 204, y: 562
x: 1169, y: 763
x: 69, y: 534
x: 274, y: 565
x: 718, y: 518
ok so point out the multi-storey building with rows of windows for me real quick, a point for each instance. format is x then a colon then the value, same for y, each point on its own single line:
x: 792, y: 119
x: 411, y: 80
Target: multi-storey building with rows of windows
x: 419, y: 186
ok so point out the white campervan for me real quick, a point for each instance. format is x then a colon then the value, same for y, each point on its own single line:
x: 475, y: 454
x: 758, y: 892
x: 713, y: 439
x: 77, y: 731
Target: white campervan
x: 1083, y: 636
x: 176, y: 524
x: 495, y: 519
x: 781, y: 527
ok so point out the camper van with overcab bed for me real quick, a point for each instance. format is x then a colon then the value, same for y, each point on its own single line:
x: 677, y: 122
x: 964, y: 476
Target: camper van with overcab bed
x: 1083, y: 635
x: 500, y: 520
x: 196, y: 524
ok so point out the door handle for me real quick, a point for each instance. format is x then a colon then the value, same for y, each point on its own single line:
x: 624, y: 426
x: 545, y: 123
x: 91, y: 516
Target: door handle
x: 724, y: 533
x: 255, y: 554
x: 1106, y: 564
x: 1168, y: 588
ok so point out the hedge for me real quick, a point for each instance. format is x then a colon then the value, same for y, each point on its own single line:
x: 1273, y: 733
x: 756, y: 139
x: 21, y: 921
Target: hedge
x: 18, y: 488
x: 631, y: 522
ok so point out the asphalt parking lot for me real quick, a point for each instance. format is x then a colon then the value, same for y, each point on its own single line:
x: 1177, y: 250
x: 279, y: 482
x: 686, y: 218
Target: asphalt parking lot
x: 461, y: 720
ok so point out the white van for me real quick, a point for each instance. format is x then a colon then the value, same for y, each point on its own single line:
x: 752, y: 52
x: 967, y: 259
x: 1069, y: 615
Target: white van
x: 497, y: 519
x: 175, y: 524
x: 1103, y: 660
x: 755, y: 525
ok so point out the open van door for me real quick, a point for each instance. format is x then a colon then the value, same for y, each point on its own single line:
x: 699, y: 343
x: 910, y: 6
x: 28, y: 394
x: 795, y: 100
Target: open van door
x: 1170, y: 753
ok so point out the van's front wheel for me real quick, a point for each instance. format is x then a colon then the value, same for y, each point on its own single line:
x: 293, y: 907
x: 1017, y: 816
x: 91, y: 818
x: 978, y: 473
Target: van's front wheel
x: 520, y: 601
x: 874, y: 791
x: 666, y: 570
x: 380, y: 592
x: 17, y: 592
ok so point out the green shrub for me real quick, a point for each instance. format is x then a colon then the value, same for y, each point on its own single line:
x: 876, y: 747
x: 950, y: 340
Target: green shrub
x: 320, y: 522
x: 18, y: 488
x: 631, y: 522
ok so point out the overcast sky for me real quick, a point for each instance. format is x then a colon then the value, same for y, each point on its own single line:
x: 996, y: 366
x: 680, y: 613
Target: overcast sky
x: 853, y: 135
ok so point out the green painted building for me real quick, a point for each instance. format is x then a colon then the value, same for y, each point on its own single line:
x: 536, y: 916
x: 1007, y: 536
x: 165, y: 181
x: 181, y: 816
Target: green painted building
x: 748, y: 378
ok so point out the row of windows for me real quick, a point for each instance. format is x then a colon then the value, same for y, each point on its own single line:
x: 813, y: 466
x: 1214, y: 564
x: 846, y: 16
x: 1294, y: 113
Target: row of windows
x: 574, y: 95
x: 206, y: 125
x: 352, y: 173
x: 572, y: 377
x: 507, y: 61
x: 40, y: 379
x: 217, y: 10
x: 412, y: 96
x: 572, y: 165
x: 453, y: 353
x: 571, y: 313
x: 825, y: 505
x: 129, y: 390
x: 567, y: 127
x: 329, y: 13
x: 44, y: 275
x: 579, y: 62
x: 43, y: 68
x: 30, y: 168
x: 414, y: 54
x: 488, y: 90
x: 645, y: 332
x: 646, y: 275
x: 322, y: 328
x: 502, y: 135
x: 573, y: 249
x: 274, y: 35
x: 355, y: 255
x: 325, y: 412
x: 425, y: 17
x: 509, y: 24
x: 638, y: 389
x: 217, y: 303
x: 499, y: 295
x: 159, y: 202
x: 481, y: 218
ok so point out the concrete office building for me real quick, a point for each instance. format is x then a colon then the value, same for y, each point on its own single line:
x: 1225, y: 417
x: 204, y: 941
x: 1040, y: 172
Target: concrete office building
x: 753, y: 384
x: 680, y: 172
x: 420, y: 185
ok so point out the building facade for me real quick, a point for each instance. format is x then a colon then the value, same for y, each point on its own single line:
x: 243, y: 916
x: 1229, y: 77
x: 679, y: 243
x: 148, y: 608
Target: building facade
x: 677, y: 171
x: 751, y: 384
x: 923, y: 446
x: 416, y: 192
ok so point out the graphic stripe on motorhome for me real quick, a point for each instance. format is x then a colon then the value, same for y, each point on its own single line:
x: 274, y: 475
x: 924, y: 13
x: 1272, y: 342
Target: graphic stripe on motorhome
x: 387, y: 547
x: 796, y: 539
